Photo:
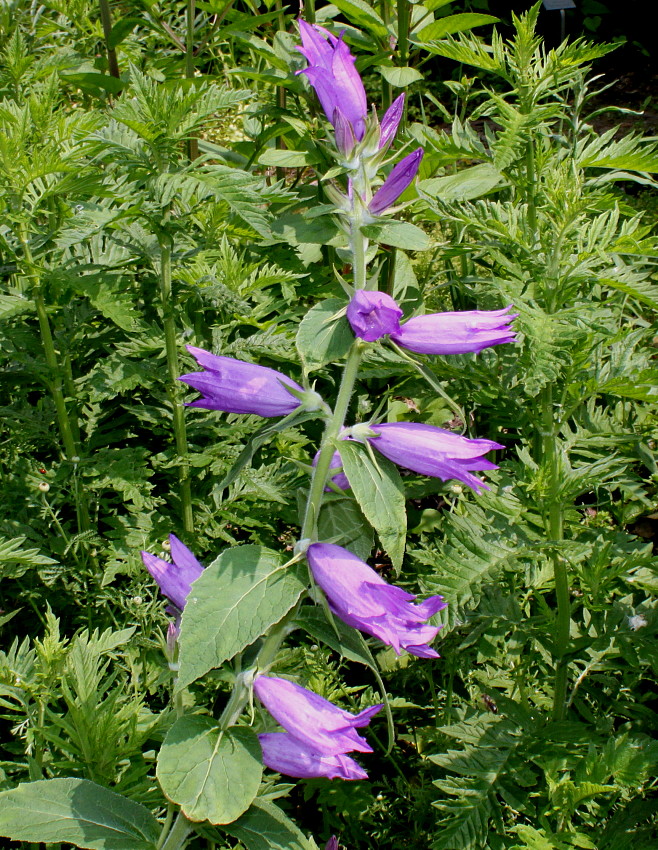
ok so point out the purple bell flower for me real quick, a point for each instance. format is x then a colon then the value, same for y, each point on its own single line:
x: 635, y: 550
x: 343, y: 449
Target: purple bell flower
x: 332, y: 74
x: 396, y: 182
x: 285, y: 754
x: 311, y: 719
x: 373, y: 314
x: 235, y: 386
x: 456, y: 333
x: 362, y: 599
x: 332, y: 844
x: 174, y: 579
x: 434, y: 451
x: 391, y: 122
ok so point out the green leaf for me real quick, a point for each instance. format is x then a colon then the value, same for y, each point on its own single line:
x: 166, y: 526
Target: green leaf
x: 363, y: 15
x: 16, y: 560
x: 77, y: 812
x: 121, y: 30
x: 212, y: 775
x: 323, y: 335
x: 288, y: 158
x: 14, y: 305
x: 399, y: 234
x: 452, y: 24
x: 265, y: 827
x: 399, y: 77
x: 378, y: 489
x: 348, y: 642
x: 464, y: 185
x: 297, y: 230
x: 244, y: 592
x: 93, y: 83
x: 342, y: 522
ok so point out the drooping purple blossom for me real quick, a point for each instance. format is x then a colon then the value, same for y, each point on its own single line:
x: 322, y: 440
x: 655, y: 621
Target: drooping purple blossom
x: 235, y: 386
x: 391, y: 121
x: 373, y: 314
x: 332, y: 844
x: 397, y: 181
x: 311, y: 719
x: 285, y: 754
x: 174, y: 579
x: 434, y: 451
x: 456, y: 333
x: 362, y: 599
x: 332, y: 74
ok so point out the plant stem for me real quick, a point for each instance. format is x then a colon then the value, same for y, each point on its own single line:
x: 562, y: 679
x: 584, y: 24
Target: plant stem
x: 179, y: 832
x: 327, y: 448
x: 404, y: 8
x: 555, y: 529
x: 180, y: 432
x: 55, y: 379
x: 193, y: 143
x: 106, y: 21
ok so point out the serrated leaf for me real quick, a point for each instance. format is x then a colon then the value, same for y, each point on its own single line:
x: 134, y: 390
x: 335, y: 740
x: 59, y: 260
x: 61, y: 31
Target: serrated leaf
x: 244, y: 592
x: 265, y: 827
x: 323, y: 335
x: 78, y: 812
x: 14, y: 305
x: 212, y: 775
x: 398, y: 234
x: 15, y: 560
x: 378, y: 489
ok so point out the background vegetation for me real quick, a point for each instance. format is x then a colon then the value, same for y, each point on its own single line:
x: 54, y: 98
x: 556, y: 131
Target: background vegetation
x: 159, y: 169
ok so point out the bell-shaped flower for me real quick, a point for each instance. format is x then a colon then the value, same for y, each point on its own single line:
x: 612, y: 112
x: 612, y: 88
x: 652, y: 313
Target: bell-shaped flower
x: 174, y: 579
x: 311, y: 719
x: 362, y: 599
x: 456, y: 333
x: 397, y: 181
x: 285, y: 754
x: 434, y: 451
x: 391, y: 122
x: 235, y: 386
x: 373, y: 314
x: 332, y: 844
x: 332, y: 74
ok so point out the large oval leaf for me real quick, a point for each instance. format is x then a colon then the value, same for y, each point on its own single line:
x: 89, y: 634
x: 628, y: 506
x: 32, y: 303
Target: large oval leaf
x: 244, y: 592
x: 78, y: 812
x: 212, y: 775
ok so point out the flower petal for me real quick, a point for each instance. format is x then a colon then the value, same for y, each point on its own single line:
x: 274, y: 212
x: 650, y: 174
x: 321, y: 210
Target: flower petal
x: 456, y: 333
x: 235, y: 386
x: 285, y: 754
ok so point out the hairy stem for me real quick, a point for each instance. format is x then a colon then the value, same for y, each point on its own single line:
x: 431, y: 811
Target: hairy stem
x: 55, y: 380
x: 180, y: 432
x: 106, y: 21
x: 178, y: 834
x: 555, y: 529
x: 192, y: 143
